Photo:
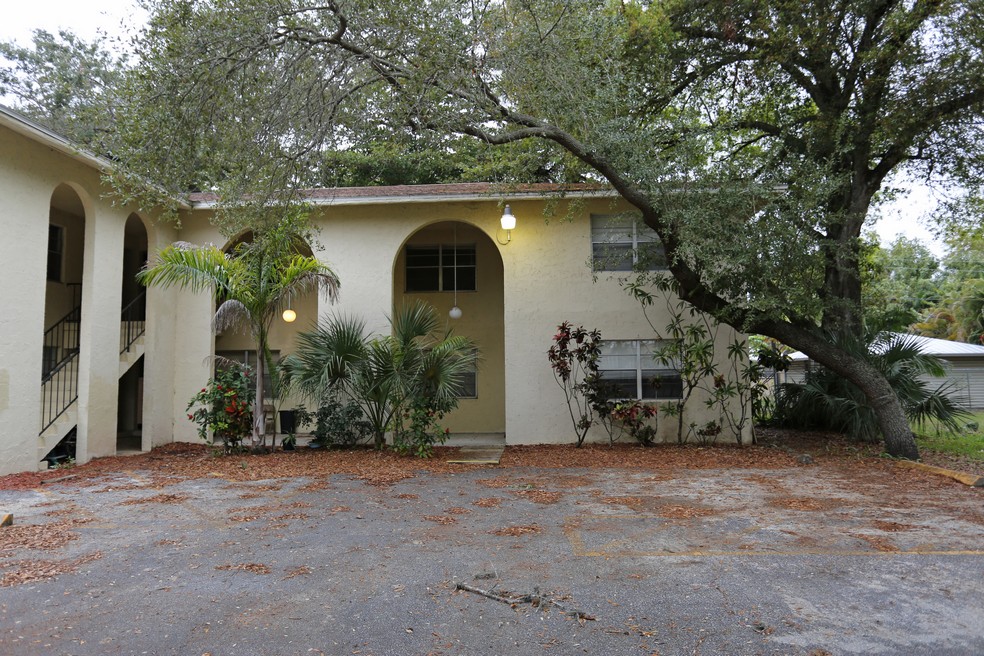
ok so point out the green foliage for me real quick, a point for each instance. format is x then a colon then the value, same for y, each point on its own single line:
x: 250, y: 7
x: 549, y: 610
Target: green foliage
x: 968, y: 441
x: 417, y: 369
x: 418, y: 427
x: 902, y: 282
x: 636, y: 418
x: 573, y: 358
x: 829, y: 402
x: 252, y: 285
x: 959, y: 312
x: 338, y: 422
x: 223, y: 407
x: 778, y: 122
x: 687, y: 340
x: 64, y: 82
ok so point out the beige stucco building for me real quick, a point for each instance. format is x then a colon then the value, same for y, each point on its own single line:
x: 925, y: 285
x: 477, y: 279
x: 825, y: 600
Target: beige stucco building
x: 87, y: 353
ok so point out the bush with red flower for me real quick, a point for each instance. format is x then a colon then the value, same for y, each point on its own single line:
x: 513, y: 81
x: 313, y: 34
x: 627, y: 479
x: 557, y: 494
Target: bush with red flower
x: 224, y: 408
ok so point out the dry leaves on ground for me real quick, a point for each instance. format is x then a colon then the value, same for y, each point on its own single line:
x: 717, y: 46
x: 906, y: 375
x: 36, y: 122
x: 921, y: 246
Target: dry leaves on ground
x: 444, y: 520
x: 516, y: 531
x: 253, y: 568
x: 29, y: 571
x: 805, y: 503
x: 157, y: 498
x: 487, y: 502
x: 301, y: 570
x: 539, y: 496
x: 45, y: 537
x: 684, y: 512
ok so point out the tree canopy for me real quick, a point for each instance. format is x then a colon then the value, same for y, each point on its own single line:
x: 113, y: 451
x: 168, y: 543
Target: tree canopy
x: 775, y: 120
x: 65, y: 82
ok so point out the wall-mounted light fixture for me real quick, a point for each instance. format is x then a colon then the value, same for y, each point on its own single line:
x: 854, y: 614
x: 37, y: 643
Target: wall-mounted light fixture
x: 508, y: 223
x: 289, y: 315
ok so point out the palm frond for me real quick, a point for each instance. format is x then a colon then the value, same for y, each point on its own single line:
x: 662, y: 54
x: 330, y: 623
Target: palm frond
x: 231, y: 315
x: 200, y: 268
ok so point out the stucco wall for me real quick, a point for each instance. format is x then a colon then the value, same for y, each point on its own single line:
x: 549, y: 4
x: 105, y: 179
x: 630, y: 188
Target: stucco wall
x: 30, y: 173
x: 545, y: 279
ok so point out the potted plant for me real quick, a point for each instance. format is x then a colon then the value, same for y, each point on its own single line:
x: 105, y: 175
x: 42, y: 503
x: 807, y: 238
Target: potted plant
x: 289, y: 442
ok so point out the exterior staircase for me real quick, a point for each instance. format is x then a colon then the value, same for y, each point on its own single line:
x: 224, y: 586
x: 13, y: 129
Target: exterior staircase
x: 59, y: 383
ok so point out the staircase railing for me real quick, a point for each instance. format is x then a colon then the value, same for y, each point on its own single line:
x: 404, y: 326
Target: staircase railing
x: 61, y: 342
x: 134, y: 321
x: 59, y: 390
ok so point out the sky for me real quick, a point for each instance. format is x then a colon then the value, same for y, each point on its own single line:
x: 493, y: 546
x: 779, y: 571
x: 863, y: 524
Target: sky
x: 87, y: 19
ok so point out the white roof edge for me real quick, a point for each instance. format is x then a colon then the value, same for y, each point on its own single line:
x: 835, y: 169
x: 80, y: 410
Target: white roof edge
x: 943, y: 348
x: 369, y: 199
x: 34, y: 130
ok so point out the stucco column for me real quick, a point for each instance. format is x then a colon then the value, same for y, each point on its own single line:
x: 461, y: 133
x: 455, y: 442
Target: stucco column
x: 23, y: 254
x: 99, y: 348
x: 159, y: 411
x: 194, y: 345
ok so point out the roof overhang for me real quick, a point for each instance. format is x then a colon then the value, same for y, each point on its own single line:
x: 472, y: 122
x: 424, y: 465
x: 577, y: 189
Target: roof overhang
x: 34, y: 131
x: 438, y: 193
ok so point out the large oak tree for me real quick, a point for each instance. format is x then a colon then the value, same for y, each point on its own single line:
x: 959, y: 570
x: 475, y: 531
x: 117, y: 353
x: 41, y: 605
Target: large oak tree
x: 752, y: 135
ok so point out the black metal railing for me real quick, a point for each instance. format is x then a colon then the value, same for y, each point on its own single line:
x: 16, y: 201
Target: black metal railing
x: 134, y: 321
x: 61, y: 342
x: 59, y: 390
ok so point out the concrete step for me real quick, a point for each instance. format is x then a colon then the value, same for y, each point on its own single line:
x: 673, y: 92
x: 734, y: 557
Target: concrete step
x: 129, y: 358
x: 476, y: 439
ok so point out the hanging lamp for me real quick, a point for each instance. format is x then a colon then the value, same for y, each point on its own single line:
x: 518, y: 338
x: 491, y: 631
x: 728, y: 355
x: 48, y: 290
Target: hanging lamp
x: 455, y: 312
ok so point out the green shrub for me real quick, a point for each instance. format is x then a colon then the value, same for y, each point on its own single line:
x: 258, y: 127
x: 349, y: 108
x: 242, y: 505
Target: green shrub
x: 224, y: 408
x: 827, y: 401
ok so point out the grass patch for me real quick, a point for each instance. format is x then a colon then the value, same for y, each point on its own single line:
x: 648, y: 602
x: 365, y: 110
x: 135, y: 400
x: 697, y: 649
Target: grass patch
x: 969, y: 442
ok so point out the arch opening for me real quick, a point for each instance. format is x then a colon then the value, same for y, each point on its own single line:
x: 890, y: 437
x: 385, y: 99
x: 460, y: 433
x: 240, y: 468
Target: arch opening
x: 450, y: 264
x: 62, y: 322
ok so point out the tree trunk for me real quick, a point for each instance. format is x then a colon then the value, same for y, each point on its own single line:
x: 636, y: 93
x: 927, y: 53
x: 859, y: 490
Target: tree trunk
x: 884, y: 402
x: 259, y: 420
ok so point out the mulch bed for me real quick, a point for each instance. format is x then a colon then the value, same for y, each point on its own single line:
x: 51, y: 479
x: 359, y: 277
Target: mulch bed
x: 172, y: 463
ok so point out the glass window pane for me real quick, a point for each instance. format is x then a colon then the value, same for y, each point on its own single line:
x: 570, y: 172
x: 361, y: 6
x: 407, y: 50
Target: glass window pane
x: 423, y: 280
x: 612, y: 257
x: 651, y: 256
x: 622, y: 384
x: 465, y: 256
x: 469, y: 386
x: 423, y: 256
x: 465, y: 281
x: 661, y: 384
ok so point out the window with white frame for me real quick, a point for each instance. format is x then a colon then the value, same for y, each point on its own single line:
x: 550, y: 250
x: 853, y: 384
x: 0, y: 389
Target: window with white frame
x: 631, y: 370
x: 469, y: 383
x: 441, y: 268
x: 622, y: 242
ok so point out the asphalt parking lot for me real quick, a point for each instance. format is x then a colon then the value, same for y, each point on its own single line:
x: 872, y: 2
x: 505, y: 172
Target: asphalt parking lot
x: 797, y: 560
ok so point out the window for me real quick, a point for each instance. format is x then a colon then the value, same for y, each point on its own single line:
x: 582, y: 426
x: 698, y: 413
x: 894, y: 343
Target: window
x: 440, y: 268
x: 622, y: 242
x: 633, y: 373
x: 249, y: 359
x: 469, y: 382
x: 56, y: 247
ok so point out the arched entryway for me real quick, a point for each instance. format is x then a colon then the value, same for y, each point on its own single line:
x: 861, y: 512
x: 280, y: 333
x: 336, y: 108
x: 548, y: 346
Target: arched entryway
x: 133, y: 322
x: 62, y: 323
x: 453, y: 262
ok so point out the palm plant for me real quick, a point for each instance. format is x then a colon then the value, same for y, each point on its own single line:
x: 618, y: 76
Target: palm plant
x: 825, y: 400
x: 417, y: 365
x: 252, y: 284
